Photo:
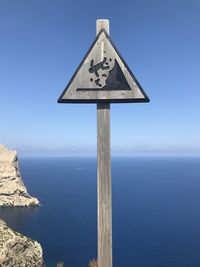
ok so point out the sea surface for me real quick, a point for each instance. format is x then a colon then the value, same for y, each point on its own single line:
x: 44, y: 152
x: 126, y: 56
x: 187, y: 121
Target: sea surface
x: 156, y: 210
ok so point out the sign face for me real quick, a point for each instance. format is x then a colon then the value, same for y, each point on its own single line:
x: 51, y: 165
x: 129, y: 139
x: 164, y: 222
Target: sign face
x: 103, y: 76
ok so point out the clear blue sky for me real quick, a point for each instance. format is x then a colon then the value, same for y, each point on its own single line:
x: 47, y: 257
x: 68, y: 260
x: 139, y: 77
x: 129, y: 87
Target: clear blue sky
x: 43, y: 41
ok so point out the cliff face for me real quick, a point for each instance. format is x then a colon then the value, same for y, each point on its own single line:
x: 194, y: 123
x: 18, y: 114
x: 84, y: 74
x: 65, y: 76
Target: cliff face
x: 12, y: 189
x: 18, y: 250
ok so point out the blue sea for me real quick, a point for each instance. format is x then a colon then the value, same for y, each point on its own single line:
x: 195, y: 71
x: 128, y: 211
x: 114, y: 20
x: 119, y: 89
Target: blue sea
x: 156, y: 210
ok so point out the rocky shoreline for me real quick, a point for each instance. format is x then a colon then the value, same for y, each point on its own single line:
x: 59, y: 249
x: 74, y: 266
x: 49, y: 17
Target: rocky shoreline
x: 12, y: 189
x: 15, y: 248
x: 18, y: 250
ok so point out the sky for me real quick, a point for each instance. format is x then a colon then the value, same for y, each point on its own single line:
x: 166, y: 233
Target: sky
x: 42, y: 43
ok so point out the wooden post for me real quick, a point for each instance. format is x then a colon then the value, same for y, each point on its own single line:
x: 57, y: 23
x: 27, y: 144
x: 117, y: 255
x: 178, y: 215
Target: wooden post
x: 104, y: 176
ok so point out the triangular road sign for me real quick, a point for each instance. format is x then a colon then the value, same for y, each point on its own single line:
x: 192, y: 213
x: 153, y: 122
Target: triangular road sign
x: 103, y: 76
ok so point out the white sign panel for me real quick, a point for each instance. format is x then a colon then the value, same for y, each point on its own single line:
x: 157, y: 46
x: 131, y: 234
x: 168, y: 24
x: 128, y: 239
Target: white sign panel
x: 103, y: 76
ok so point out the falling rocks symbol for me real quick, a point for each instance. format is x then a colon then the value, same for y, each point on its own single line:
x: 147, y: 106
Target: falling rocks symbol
x: 116, y: 79
x: 103, y: 75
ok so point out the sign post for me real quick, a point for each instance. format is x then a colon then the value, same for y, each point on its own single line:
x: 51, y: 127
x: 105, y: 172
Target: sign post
x: 104, y: 176
x: 103, y: 77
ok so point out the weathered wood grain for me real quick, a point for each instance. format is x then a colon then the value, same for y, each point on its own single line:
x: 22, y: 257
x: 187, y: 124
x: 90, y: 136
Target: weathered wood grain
x: 104, y: 177
x: 82, y: 85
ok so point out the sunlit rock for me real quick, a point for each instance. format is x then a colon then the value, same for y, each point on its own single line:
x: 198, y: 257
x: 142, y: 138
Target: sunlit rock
x: 12, y: 189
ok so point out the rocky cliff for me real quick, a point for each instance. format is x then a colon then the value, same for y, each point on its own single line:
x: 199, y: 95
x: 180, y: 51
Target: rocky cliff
x: 12, y: 189
x: 18, y: 250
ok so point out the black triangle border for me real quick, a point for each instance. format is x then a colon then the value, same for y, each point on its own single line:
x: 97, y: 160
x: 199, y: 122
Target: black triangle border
x: 92, y: 101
